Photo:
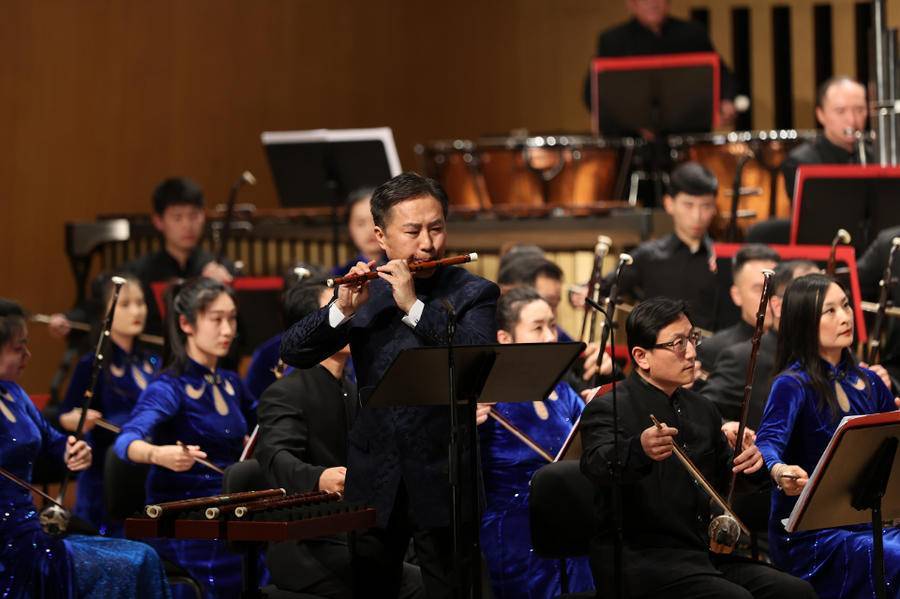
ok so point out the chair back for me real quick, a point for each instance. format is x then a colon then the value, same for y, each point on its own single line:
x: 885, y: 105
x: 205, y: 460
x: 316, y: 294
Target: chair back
x: 561, y: 511
x: 124, y: 492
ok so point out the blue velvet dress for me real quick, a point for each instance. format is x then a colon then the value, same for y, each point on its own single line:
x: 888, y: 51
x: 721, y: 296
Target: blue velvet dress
x: 33, y: 564
x: 209, y: 409
x: 124, y: 377
x: 507, y: 466
x: 795, y: 431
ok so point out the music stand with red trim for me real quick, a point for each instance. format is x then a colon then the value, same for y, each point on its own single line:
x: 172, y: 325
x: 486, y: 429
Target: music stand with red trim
x: 818, y: 253
x: 862, y: 179
x: 659, y: 78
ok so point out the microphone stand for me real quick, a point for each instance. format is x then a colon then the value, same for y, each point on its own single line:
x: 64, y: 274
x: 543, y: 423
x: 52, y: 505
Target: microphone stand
x: 454, y: 454
x: 616, y: 465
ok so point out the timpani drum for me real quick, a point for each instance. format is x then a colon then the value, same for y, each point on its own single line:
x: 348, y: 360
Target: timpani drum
x: 762, y: 190
x: 567, y: 171
x: 456, y: 165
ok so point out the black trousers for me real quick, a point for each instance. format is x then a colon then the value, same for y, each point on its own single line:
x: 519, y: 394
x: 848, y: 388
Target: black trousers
x: 740, y: 579
x: 378, y: 557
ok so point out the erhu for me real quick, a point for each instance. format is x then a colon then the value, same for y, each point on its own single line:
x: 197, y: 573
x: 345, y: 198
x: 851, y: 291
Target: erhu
x: 55, y: 518
x: 842, y: 236
x: 873, y: 347
x: 589, y: 320
x: 724, y: 530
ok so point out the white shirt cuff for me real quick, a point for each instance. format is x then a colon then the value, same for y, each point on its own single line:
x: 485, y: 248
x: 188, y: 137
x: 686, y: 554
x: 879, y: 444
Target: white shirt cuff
x: 415, y: 314
x: 335, y: 317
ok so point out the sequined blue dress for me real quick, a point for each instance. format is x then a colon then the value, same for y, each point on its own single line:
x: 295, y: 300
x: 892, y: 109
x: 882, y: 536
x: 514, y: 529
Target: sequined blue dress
x: 35, y: 565
x: 795, y: 430
x: 507, y: 466
x: 205, y: 408
x: 122, y: 380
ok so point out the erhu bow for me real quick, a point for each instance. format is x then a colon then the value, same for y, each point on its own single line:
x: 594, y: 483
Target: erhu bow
x: 55, y: 519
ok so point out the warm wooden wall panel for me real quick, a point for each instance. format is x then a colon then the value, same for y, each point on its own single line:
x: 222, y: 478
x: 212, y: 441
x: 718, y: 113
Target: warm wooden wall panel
x: 100, y: 99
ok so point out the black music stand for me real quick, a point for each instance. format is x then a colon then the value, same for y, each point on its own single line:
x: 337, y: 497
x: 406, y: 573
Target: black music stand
x: 320, y: 168
x: 673, y: 93
x: 855, y: 474
x: 464, y: 376
x: 861, y: 199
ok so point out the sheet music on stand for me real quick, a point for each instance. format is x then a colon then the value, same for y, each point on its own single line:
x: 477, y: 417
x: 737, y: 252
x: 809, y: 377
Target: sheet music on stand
x: 825, y: 502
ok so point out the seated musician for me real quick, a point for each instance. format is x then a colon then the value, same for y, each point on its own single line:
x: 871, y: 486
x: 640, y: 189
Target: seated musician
x: 397, y: 457
x: 681, y: 265
x: 304, y: 419
x: 842, y: 111
x: 746, y: 287
x: 127, y: 368
x: 194, y: 409
x: 508, y: 464
x: 545, y: 277
x: 361, y: 229
x: 725, y: 385
x: 665, y: 513
x: 33, y: 563
x: 819, y: 383
x: 871, y: 271
x: 178, y: 215
x: 652, y: 31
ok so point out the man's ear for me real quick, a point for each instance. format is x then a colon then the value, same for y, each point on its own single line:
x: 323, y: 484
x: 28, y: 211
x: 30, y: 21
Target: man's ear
x: 735, y: 296
x: 157, y: 222
x: 186, y: 327
x: 668, y: 203
x: 820, y: 115
x: 641, y: 358
x: 504, y: 336
x: 379, y: 235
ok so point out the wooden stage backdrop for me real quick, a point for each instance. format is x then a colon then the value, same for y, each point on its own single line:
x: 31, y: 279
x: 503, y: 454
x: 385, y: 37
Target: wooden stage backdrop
x: 101, y: 99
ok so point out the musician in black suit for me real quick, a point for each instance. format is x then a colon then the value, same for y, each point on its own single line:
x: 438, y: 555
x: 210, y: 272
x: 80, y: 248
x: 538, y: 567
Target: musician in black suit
x: 665, y: 513
x: 397, y: 457
x: 304, y: 419
x: 871, y: 271
x: 746, y: 288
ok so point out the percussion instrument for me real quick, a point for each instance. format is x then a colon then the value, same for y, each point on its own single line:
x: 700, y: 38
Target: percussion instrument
x: 756, y: 155
x: 456, y: 165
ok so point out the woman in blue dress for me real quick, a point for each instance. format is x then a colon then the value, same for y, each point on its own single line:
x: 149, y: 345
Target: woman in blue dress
x: 127, y: 370
x: 193, y: 410
x: 508, y: 464
x: 32, y: 563
x: 819, y: 383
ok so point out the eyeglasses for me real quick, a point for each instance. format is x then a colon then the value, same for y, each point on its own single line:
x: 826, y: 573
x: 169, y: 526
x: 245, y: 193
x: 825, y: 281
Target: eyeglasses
x: 679, y: 344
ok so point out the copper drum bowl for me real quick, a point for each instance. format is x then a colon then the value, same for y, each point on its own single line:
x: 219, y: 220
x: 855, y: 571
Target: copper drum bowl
x: 763, y: 194
x: 456, y: 165
x: 549, y: 171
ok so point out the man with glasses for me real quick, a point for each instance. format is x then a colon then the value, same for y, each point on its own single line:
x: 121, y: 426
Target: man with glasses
x: 665, y: 513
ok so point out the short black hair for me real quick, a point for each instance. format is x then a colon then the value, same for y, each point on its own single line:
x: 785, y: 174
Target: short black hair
x: 518, y: 251
x: 650, y: 317
x: 301, y: 300
x: 12, y: 319
x: 510, y: 305
x: 405, y: 186
x: 826, y: 85
x: 176, y: 191
x: 751, y: 252
x: 693, y: 179
x: 526, y: 270
x: 785, y: 273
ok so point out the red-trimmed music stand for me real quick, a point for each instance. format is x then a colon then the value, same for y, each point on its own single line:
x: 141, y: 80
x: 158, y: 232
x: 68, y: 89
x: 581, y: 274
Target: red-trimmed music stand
x: 860, y: 199
x: 855, y: 474
x: 664, y: 93
x: 817, y: 253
